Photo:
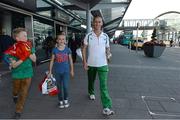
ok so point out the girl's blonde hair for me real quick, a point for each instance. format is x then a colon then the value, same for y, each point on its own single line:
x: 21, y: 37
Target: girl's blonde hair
x: 60, y: 35
x: 16, y: 31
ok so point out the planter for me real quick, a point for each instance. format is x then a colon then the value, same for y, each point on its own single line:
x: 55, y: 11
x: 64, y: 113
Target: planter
x: 153, y: 50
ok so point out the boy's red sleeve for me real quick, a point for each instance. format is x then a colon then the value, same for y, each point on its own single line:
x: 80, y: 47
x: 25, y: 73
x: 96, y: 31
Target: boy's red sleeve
x: 23, y: 51
x: 11, y: 51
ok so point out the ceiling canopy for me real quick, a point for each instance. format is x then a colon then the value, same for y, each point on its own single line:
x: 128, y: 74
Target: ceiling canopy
x: 112, y: 11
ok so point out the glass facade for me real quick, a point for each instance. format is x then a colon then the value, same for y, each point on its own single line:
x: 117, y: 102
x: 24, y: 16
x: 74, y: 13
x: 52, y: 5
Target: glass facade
x: 62, y: 16
x: 44, y: 8
x: 41, y: 32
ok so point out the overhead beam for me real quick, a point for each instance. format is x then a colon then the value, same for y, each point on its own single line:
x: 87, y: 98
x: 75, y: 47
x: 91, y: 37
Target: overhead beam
x: 114, y: 28
x: 135, y: 28
x: 79, y: 4
x: 52, y: 2
x: 111, y: 31
x: 76, y: 25
x: 94, y: 3
x: 72, y: 7
x: 110, y: 5
x: 71, y: 21
x: 43, y: 9
x: 112, y: 21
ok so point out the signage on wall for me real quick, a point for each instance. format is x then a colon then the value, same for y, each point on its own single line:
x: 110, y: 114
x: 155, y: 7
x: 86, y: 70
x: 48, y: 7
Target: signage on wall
x: 29, y: 5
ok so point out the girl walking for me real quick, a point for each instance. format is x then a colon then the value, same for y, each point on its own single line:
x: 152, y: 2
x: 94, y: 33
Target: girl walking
x: 62, y: 63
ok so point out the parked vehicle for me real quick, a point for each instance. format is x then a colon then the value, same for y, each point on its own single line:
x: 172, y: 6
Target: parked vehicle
x: 138, y: 44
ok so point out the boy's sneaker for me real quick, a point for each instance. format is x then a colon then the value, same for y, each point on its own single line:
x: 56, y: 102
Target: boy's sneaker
x: 15, y: 98
x: 92, y: 97
x: 107, y: 111
x: 66, y: 103
x: 60, y: 104
x: 17, y: 115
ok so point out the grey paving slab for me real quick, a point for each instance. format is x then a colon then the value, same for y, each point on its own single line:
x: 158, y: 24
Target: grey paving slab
x: 171, y: 107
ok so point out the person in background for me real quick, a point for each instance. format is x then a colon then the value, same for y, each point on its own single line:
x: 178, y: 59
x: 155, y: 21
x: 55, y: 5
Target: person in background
x: 63, y: 67
x: 73, y: 46
x: 97, y: 43
x: 171, y: 43
x: 48, y: 45
x: 5, y: 42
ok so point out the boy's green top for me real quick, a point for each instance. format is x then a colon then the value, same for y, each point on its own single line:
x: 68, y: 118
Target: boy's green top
x: 24, y: 70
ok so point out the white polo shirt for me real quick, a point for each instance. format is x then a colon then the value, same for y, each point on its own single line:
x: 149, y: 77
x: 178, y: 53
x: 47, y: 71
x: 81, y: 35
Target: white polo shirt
x: 96, y: 49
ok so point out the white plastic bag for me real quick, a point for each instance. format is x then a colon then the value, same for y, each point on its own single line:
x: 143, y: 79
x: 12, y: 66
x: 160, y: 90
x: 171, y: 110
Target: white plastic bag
x: 49, y: 86
x: 53, y: 79
x: 79, y: 53
x: 44, y: 87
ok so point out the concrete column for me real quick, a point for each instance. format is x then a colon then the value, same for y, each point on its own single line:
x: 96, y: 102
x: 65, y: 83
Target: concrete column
x: 29, y: 27
x: 166, y: 38
x: 7, y: 23
x: 168, y: 35
x: 55, y: 31
x: 173, y: 36
x: 88, y: 18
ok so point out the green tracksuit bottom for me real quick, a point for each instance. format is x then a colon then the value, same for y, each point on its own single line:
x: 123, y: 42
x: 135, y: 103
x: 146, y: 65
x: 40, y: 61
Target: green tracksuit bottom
x: 102, y: 74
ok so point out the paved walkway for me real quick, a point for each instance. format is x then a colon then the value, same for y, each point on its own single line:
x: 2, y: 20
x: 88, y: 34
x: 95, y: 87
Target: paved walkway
x: 140, y: 87
x: 3, y: 68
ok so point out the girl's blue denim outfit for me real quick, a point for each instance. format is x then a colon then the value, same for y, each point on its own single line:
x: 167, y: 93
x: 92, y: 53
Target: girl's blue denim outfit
x: 62, y: 81
x: 62, y: 71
